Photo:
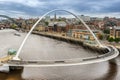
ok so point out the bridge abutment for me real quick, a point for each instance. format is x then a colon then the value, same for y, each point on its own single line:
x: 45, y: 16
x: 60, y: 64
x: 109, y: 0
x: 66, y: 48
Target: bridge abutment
x: 13, y: 68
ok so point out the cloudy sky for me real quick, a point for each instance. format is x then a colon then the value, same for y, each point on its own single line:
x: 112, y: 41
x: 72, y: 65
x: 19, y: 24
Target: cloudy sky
x: 31, y: 8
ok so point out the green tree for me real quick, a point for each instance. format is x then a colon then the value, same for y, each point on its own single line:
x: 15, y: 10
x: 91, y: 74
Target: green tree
x: 110, y: 39
x: 46, y: 23
x: 100, y: 36
x: 13, y: 26
x: 106, y: 31
x: 117, y: 40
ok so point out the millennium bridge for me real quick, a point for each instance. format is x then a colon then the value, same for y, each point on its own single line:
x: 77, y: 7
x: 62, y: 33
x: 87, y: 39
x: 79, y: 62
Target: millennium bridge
x: 111, y: 52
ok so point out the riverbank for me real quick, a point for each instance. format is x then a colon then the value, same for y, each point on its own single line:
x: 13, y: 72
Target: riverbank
x: 93, y: 48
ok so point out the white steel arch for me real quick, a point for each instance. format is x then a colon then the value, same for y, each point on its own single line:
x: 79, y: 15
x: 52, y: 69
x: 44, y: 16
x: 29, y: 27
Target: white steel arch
x: 21, y: 46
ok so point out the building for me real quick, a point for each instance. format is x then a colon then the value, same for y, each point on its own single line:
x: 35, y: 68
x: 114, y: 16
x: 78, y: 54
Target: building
x: 40, y: 28
x: 115, y: 32
x: 83, y: 34
x: 58, y: 26
x: 96, y: 19
x: 5, y: 25
x: 85, y: 18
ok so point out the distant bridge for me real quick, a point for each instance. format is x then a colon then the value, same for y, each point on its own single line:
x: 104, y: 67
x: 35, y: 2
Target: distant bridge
x: 11, y: 19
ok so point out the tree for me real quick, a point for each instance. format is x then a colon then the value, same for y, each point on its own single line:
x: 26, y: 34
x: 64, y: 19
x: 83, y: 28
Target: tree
x: 110, y: 39
x: 13, y: 26
x: 117, y: 40
x: 100, y: 36
x: 110, y: 23
x: 46, y: 23
x: 106, y: 31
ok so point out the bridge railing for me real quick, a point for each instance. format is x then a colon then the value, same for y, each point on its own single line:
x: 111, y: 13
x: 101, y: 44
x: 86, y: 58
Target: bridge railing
x: 65, y: 62
x: 69, y: 61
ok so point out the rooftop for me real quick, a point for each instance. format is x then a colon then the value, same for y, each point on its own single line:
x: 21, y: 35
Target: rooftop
x: 117, y: 27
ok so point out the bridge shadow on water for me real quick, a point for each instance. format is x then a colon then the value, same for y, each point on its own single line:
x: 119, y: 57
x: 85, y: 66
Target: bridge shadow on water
x: 17, y: 74
x: 112, y: 72
x: 12, y: 75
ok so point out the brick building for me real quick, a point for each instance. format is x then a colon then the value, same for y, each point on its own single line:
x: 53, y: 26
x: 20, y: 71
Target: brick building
x: 115, y: 32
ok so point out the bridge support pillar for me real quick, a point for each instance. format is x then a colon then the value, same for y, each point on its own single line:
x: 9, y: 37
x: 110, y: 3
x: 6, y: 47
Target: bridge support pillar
x: 13, y: 68
x: 16, y: 58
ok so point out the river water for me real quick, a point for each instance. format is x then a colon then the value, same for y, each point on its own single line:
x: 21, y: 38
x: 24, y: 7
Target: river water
x: 42, y: 48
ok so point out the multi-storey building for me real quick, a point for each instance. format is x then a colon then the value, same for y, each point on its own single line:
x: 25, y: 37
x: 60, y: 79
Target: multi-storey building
x: 83, y: 34
x: 115, y: 32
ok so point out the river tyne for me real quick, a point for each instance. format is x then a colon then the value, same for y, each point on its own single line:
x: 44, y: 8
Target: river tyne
x: 43, y: 48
